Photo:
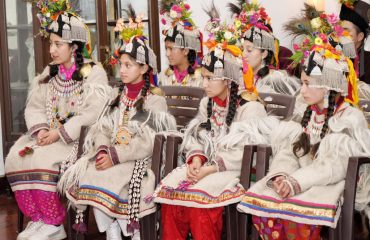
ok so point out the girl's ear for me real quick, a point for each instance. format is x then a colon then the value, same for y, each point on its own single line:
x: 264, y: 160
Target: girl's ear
x: 264, y: 54
x: 144, y: 68
x: 186, y: 51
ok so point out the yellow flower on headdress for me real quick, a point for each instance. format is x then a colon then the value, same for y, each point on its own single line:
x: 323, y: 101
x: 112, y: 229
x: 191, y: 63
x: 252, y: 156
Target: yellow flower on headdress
x: 316, y: 23
x: 237, y: 23
x: 318, y: 41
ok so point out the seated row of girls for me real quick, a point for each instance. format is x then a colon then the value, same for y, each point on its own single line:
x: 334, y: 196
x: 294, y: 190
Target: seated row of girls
x: 183, y: 44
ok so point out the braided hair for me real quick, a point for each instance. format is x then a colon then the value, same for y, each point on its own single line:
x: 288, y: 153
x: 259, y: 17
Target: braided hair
x: 79, y: 60
x: 139, y: 104
x: 233, y: 104
x: 303, y: 143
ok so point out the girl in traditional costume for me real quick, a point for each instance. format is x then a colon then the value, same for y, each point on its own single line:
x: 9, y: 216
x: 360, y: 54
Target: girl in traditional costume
x: 183, y: 44
x: 114, y: 175
x: 194, y: 194
x: 261, y: 49
x: 303, y: 188
x: 70, y: 93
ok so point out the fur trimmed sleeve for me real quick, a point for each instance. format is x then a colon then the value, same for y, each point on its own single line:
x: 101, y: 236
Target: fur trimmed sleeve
x: 96, y: 93
x: 252, y: 126
x: 35, y: 112
x: 284, y: 161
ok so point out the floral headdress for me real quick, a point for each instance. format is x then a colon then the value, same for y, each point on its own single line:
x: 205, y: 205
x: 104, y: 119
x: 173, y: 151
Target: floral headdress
x: 132, y: 41
x: 178, y: 25
x: 254, y: 24
x: 322, y: 28
x: 59, y: 17
x: 224, y: 57
x: 322, y: 55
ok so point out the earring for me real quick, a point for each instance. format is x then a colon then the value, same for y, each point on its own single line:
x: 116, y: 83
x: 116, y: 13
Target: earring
x: 73, y: 56
x: 326, y: 100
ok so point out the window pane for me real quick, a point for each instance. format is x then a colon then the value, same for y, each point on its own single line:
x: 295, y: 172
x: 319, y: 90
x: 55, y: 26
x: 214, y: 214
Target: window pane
x: 140, y: 6
x: 86, y: 9
x: 21, y: 58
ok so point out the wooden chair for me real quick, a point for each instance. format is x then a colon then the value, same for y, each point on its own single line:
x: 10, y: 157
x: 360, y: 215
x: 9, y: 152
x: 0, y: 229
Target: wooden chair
x: 365, y: 106
x: 183, y: 102
x: 280, y: 105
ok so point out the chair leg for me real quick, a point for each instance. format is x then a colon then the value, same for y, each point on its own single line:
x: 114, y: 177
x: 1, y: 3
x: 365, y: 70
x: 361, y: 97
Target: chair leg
x: 20, y: 221
x: 148, y: 227
x: 231, y: 220
x: 242, y: 226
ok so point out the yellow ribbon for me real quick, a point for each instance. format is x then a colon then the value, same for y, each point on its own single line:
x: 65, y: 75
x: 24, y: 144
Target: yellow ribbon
x: 352, y: 84
x: 234, y: 50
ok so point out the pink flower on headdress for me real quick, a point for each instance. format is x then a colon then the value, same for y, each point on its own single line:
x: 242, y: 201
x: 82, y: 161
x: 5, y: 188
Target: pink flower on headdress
x: 339, y: 30
x: 164, y: 22
x: 323, y: 37
x: 332, y: 18
x: 176, y: 9
x: 306, y: 41
x: 295, y: 47
x: 187, y: 6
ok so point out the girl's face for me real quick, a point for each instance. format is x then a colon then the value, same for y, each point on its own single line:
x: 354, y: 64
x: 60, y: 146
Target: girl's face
x: 212, y: 87
x: 131, y: 72
x: 253, y: 55
x: 312, y: 95
x: 176, y: 56
x: 60, y: 52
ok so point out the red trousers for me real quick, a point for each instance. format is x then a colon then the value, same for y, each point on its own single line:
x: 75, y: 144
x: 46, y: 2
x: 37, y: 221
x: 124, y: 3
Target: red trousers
x: 203, y: 223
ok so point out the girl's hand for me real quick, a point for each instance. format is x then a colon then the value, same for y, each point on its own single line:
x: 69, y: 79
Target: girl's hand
x: 281, y: 187
x: 205, y: 171
x: 40, y: 136
x: 103, y: 162
x: 49, y: 137
x: 193, y: 168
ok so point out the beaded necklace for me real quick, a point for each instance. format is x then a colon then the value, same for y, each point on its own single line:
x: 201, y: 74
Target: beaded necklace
x: 126, y: 104
x: 62, y: 89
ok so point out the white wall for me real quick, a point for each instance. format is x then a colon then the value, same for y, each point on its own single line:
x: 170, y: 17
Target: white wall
x: 280, y: 12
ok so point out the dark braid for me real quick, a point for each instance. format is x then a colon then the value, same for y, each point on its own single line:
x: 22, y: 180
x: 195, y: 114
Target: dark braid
x: 139, y: 104
x: 303, y: 142
x: 192, y: 57
x: 233, y: 102
x: 325, y: 127
x: 115, y: 103
x: 264, y: 71
x: 207, y: 125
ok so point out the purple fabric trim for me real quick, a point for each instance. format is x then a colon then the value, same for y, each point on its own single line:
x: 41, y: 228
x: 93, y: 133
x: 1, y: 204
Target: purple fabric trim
x: 35, y: 128
x: 113, y: 155
x: 220, y: 164
x: 64, y: 135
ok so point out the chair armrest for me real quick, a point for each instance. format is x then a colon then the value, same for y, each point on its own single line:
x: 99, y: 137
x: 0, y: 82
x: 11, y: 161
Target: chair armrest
x: 157, y: 156
x: 350, y: 186
x: 247, y: 162
x: 172, y: 150
x: 263, y: 160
